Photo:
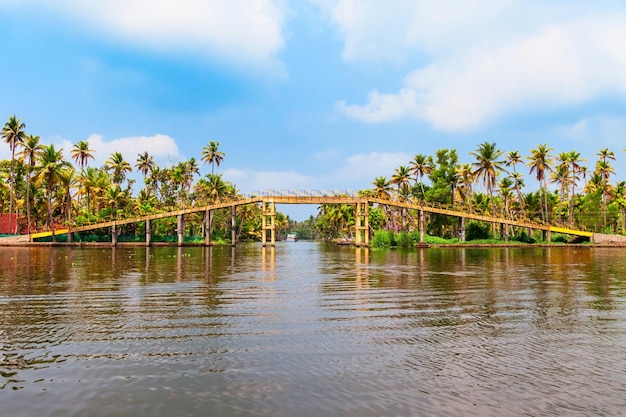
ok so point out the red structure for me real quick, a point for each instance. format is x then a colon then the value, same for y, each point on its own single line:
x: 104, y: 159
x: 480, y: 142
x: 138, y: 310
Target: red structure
x: 8, y: 223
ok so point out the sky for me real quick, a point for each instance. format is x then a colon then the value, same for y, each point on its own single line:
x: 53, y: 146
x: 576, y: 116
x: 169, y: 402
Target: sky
x: 316, y: 94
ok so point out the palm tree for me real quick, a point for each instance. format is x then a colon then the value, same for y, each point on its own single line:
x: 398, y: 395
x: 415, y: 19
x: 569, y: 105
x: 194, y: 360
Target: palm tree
x: 604, y: 171
x: 119, y: 166
x: 145, y: 164
x: 421, y: 165
x: 49, y: 170
x: 382, y: 187
x: 31, y: 150
x: 81, y: 154
x: 574, y: 160
x: 465, y: 178
x: 540, y: 161
x: 402, y: 179
x: 68, y: 180
x: 212, y: 155
x: 561, y: 176
x: 488, y: 166
x: 13, y: 134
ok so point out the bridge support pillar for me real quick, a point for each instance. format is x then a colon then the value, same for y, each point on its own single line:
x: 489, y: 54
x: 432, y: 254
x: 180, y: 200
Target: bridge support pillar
x: 233, y: 225
x: 208, y: 220
x: 69, y: 237
x: 268, y: 212
x: 362, y: 224
x: 547, y: 236
x: 462, y: 230
x: 180, y: 229
x: 148, y: 232
x: 506, y: 229
x: 421, y: 225
x: 113, y: 235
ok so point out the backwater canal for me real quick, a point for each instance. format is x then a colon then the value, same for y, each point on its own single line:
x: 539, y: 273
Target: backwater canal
x: 311, y: 329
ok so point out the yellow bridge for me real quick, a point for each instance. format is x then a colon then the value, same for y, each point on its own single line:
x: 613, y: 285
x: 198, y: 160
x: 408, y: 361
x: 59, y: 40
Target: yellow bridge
x: 269, y: 199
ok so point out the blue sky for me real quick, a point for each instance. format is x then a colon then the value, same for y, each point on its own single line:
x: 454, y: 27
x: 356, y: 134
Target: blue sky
x: 316, y: 94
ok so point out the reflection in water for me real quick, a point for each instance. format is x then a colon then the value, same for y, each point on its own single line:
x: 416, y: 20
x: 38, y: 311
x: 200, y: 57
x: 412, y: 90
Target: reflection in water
x: 311, y: 329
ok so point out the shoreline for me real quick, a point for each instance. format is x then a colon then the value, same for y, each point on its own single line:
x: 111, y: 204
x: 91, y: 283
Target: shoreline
x: 13, y: 242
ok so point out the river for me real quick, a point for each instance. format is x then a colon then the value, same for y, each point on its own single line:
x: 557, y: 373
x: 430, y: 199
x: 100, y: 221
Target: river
x: 311, y: 329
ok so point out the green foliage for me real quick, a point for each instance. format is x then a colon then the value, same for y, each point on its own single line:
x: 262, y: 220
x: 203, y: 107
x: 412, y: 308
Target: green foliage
x: 404, y: 240
x: 381, y: 240
x: 523, y: 237
x: 476, y: 231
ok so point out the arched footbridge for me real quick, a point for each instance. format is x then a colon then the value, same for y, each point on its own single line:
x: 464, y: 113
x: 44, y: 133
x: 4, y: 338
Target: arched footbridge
x: 269, y: 199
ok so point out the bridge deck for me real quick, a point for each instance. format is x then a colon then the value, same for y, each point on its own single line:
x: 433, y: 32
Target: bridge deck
x: 293, y: 197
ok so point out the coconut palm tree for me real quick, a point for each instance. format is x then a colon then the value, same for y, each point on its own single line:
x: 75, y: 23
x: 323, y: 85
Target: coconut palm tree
x: 604, y: 171
x: 211, y: 155
x: 402, y: 179
x: 13, y: 134
x: 145, y: 164
x: 31, y: 150
x: 488, y: 166
x: 382, y: 187
x: 574, y: 160
x: 119, y: 166
x: 421, y: 165
x: 540, y: 162
x: 465, y: 178
x: 81, y: 154
x: 49, y: 171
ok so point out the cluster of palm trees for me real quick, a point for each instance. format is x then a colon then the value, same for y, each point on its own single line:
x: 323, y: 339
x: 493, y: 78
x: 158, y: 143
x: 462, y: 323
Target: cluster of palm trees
x: 580, y: 197
x: 43, y: 187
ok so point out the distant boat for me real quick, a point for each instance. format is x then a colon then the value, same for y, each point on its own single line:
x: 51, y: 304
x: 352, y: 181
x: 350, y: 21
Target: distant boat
x: 292, y: 237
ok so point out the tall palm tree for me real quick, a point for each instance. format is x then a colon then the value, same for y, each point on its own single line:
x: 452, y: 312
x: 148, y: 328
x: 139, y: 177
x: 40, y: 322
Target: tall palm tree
x: 574, y: 160
x: 540, y: 162
x: 561, y: 176
x: 465, y: 178
x: 119, y: 166
x: 211, y: 155
x: 31, y: 150
x: 382, y: 187
x: 421, y: 165
x: 82, y: 154
x: 145, y: 164
x: 13, y: 134
x: 604, y: 171
x: 49, y: 171
x: 488, y: 166
x: 402, y: 179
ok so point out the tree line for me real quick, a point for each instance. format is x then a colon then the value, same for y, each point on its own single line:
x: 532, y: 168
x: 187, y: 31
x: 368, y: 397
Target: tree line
x: 43, y: 189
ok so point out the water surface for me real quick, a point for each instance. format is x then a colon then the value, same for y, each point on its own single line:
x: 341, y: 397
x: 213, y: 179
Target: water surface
x: 308, y: 329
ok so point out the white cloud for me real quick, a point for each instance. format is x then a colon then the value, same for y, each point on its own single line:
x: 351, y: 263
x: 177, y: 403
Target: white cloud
x: 559, y: 65
x: 162, y: 148
x: 249, y: 181
x: 352, y: 173
x: 247, y: 31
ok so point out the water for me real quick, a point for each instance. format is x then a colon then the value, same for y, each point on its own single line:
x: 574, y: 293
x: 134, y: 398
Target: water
x: 307, y: 329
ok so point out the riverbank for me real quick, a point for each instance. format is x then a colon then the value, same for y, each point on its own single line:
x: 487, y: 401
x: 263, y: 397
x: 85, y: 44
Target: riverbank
x: 22, y: 241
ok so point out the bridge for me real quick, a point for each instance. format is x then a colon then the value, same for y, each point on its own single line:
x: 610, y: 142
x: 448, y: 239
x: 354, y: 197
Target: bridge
x: 269, y: 199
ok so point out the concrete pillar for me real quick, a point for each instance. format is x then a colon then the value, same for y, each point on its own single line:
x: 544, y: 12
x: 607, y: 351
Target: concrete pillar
x: 148, y: 233
x: 362, y: 224
x: 233, y: 225
x: 208, y: 223
x: 421, y: 226
x: 462, y: 231
x: 268, y: 213
x: 181, y: 229
x: 114, y: 235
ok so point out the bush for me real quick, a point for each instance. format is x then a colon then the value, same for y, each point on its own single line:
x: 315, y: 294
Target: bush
x: 404, y: 240
x: 381, y: 240
x: 477, y: 231
x: 523, y: 237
